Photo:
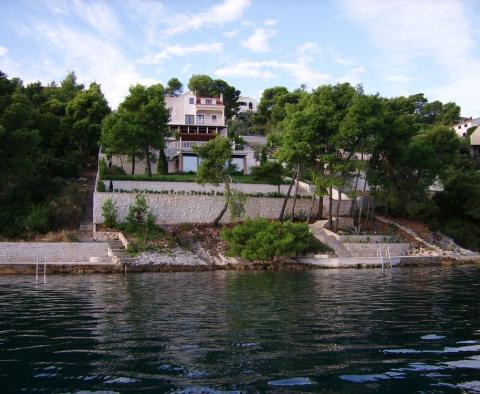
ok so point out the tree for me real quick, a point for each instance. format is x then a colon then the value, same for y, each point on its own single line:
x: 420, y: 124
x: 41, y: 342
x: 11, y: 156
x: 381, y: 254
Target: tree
x: 230, y: 97
x: 205, y: 86
x: 213, y: 167
x: 202, y: 85
x: 174, y: 87
x: 141, y: 121
x: 120, y: 136
x: 86, y: 112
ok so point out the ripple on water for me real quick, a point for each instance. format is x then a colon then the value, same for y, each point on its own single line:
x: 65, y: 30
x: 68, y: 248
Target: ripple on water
x: 202, y: 390
x: 291, y: 382
x: 432, y: 337
x: 229, y: 332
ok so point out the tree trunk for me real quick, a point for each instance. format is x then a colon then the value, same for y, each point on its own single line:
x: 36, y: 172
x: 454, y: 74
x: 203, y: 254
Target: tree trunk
x: 162, y: 163
x: 285, y: 200
x: 311, y: 208
x: 225, y: 207
x: 133, y: 163
x: 337, y: 208
x: 330, y: 207
x: 361, y: 206
x: 320, y: 208
x: 354, y: 200
x: 148, y: 160
x: 296, y: 193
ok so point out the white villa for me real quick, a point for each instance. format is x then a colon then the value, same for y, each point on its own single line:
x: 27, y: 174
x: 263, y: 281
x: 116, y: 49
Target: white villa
x: 194, y: 120
x: 247, y: 104
x: 462, y: 127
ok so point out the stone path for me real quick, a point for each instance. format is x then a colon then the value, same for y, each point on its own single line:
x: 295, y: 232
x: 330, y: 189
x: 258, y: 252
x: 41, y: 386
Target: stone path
x: 319, y: 232
x: 85, y: 229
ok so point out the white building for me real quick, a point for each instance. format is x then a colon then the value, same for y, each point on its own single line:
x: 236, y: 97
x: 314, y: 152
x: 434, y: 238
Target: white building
x: 247, y: 104
x: 462, y: 127
x: 195, y: 120
x: 475, y: 142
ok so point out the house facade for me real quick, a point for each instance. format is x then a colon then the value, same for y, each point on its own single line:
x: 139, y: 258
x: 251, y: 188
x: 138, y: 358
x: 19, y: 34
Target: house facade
x: 194, y: 121
x: 475, y: 143
x: 462, y: 127
x: 247, y: 104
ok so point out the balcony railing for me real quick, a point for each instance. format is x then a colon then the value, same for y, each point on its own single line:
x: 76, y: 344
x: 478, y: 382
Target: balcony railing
x: 212, y: 101
x: 207, y: 122
x: 186, y: 146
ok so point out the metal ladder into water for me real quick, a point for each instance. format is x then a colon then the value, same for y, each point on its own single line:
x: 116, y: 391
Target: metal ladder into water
x: 387, y: 255
x: 41, y: 270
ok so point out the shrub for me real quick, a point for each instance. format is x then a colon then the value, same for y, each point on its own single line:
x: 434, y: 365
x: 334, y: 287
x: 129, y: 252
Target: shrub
x: 109, y: 213
x: 102, y: 168
x: 261, y: 239
x: 36, y: 221
x: 237, y: 202
x: 101, y: 187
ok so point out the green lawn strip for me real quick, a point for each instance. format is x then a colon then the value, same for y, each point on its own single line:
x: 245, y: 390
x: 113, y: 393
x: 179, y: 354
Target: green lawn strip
x: 179, y: 178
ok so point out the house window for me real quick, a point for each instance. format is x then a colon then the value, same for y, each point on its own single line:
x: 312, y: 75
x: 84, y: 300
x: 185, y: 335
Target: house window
x: 208, y: 101
x: 214, y: 118
x: 459, y: 127
x: 200, y: 119
x: 250, y: 105
x: 191, y: 100
x: 189, y: 119
x: 465, y: 125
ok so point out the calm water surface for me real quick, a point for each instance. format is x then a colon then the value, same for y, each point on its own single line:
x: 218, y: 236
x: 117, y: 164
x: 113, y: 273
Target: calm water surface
x: 401, y: 330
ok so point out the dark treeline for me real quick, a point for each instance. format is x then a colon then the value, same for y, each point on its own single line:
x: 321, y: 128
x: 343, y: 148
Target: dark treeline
x: 48, y: 134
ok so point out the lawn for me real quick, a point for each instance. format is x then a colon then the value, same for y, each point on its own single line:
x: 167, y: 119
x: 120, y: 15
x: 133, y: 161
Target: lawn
x: 180, y: 178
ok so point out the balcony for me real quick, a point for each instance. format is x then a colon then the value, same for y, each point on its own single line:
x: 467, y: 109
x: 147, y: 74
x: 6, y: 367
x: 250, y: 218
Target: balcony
x: 174, y: 148
x: 208, y: 101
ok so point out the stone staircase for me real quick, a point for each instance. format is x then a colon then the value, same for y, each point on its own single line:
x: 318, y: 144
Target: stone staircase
x: 319, y: 232
x: 84, y: 233
x: 118, y: 252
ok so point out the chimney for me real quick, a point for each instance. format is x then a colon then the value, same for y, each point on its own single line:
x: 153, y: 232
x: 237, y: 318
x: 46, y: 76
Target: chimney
x: 221, y: 97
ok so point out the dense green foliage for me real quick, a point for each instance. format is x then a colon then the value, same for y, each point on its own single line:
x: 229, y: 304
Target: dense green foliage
x: 47, y: 135
x: 174, y: 87
x: 407, y: 143
x: 261, y: 239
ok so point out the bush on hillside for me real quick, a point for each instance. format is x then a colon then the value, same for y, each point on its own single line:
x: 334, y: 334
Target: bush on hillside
x: 109, y: 213
x: 261, y: 239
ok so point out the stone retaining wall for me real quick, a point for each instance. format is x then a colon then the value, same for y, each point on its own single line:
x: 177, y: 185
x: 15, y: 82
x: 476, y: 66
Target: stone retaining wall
x: 176, y: 209
x: 370, y: 250
x: 365, y: 238
x: 68, y: 252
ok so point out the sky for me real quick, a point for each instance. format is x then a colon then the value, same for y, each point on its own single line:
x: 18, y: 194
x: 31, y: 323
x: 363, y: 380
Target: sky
x: 393, y: 47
